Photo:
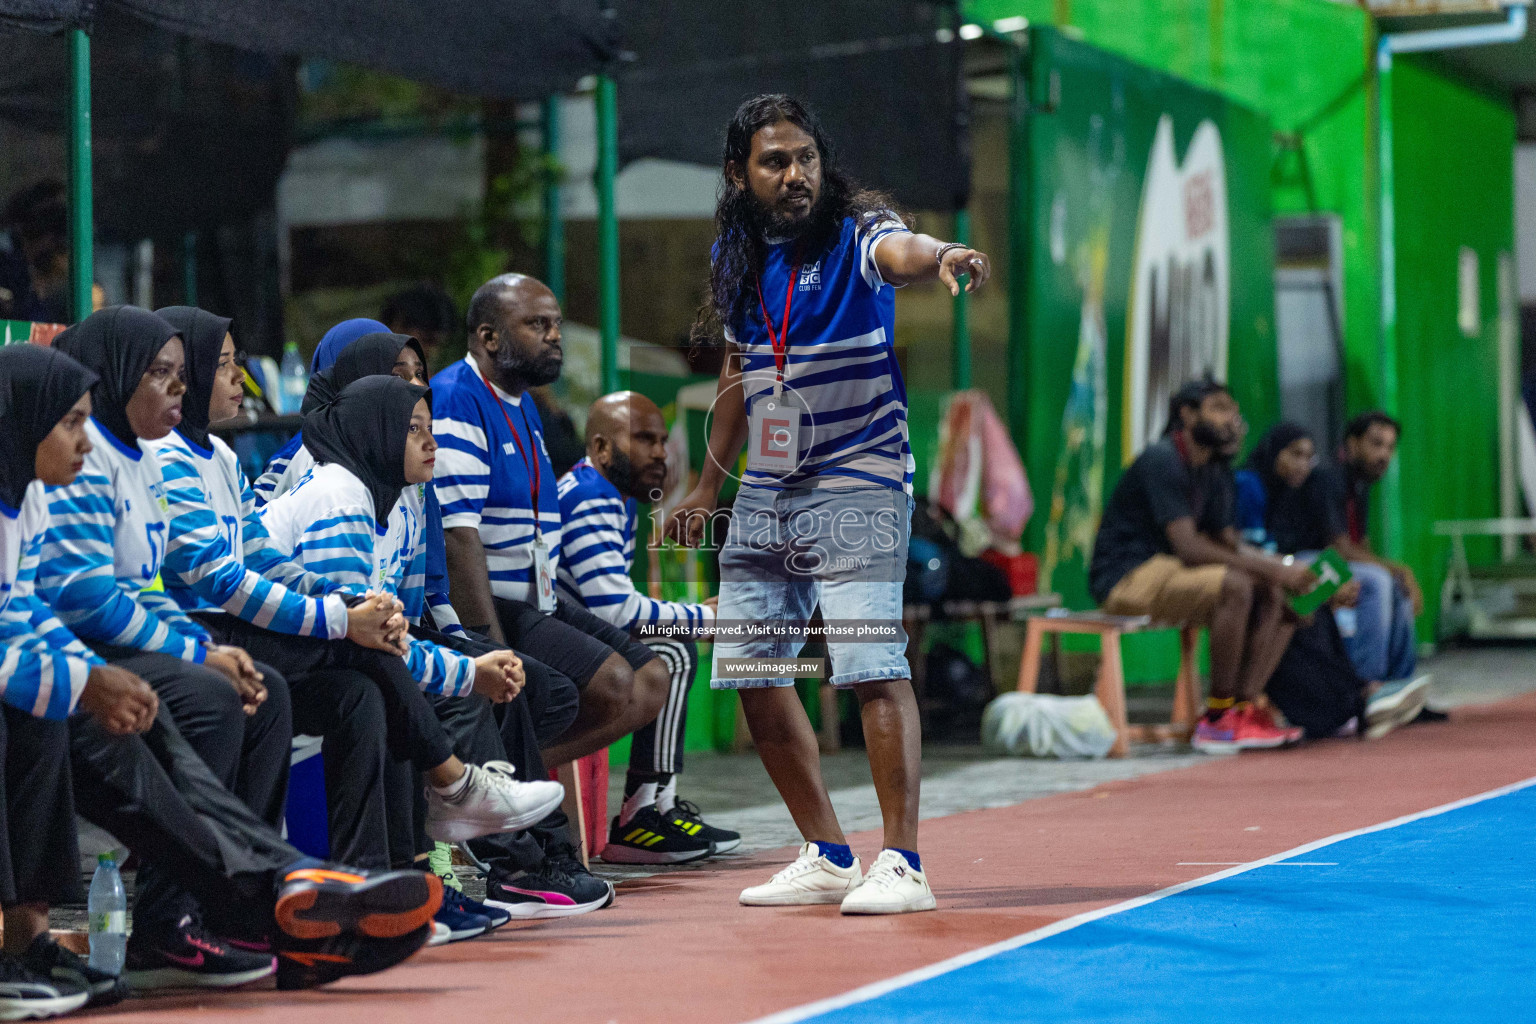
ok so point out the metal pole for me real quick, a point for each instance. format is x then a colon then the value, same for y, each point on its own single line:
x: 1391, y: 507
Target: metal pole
x: 554, y: 225
x: 608, y: 229
x: 961, y: 375
x: 189, y: 267
x: 1391, y: 483
x: 82, y: 267
x: 1019, y: 199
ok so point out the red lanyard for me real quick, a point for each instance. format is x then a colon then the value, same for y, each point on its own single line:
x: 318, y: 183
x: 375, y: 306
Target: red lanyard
x: 780, y: 341
x: 531, y: 465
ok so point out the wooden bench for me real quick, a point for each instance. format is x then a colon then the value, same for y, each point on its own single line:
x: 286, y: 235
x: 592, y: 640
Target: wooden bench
x: 1109, y: 685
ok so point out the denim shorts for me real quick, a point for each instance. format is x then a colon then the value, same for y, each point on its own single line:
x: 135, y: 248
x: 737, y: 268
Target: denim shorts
x: 790, y: 551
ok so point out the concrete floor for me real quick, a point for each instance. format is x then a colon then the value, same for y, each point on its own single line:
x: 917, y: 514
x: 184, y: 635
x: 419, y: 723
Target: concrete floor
x: 733, y: 791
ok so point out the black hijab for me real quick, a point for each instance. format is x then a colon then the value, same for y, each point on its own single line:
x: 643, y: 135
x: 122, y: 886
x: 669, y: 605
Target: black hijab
x: 117, y: 344
x: 203, y: 334
x: 37, y: 387
x: 364, y: 430
x: 1262, y: 459
x: 371, y: 355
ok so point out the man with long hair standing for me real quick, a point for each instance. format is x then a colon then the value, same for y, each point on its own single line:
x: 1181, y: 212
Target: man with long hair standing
x: 802, y: 290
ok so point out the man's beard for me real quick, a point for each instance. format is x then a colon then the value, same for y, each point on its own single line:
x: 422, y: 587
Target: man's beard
x: 1207, y: 436
x: 621, y: 473
x: 772, y: 224
x: 534, y: 372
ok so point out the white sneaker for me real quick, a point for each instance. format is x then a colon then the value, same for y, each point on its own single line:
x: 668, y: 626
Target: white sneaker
x: 441, y: 935
x: 809, y: 880
x: 1395, y: 704
x: 892, y: 887
x: 492, y: 801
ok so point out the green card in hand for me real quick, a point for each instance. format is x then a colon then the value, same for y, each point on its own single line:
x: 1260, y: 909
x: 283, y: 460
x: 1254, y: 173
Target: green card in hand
x: 1332, y: 572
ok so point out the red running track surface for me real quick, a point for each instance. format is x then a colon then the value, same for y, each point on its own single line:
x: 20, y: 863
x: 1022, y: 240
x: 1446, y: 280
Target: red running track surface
x: 679, y: 948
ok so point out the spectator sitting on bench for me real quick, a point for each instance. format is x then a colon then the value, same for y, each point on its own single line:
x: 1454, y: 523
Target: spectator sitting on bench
x: 1332, y: 512
x: 1167, y: 548
x: 1283, y: 501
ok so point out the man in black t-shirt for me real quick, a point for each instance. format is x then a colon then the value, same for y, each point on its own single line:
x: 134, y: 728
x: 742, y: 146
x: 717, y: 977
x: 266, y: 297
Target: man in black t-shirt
x: 1167, y: 548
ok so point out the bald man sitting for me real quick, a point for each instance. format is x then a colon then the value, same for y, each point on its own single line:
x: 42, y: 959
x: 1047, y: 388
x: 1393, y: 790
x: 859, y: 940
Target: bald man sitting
x: 626, y: 463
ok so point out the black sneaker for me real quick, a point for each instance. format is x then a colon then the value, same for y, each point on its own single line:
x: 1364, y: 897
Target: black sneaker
x: 685, y: 815
x: 649, y: 838
x: 51, y: 960
x: 560, y: 888
x: 185, y: 956
x: 307, y: 963
x: 26, y: 994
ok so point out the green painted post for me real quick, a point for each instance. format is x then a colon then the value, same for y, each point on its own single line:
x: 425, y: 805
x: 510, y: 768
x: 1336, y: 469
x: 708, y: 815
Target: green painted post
x: 608, y: 230
x: 554, y: 225
x: 1019, y: 200
x: 1392, y: 482
x: 961, y: 376
x: 82, y: 266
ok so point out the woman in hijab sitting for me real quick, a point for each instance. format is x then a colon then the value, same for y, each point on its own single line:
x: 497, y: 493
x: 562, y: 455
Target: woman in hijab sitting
x: 1316, y: 685
x: 158, y: 797
x: 222, y: 568
x: 345, y: 518
x: 100, y: 566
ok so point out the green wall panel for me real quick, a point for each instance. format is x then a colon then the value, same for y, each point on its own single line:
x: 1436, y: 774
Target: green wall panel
x: 1099, y: 201
x: 1452, y: 154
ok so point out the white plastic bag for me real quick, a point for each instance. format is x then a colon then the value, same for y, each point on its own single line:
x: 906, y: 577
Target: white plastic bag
x: 1045, y: 725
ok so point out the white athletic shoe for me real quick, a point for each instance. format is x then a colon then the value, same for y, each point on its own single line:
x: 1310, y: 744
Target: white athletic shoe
x: 891, y: 887
x: 809, y: 880
x: 1395, y: 704
x: 493, y: 801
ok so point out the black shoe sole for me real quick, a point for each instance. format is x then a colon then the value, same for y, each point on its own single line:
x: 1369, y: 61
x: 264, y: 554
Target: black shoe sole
x: 308, y: 965
x: 319, y: 903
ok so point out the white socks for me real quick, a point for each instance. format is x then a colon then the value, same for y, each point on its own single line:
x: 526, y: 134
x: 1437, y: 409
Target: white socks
x: 637, y: 801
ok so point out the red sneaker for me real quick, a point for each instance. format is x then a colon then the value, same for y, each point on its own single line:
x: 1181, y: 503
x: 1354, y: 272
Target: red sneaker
x: 1256, y: 730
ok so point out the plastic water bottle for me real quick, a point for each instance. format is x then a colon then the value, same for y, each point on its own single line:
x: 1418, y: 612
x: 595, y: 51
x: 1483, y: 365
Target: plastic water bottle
x: 107, y: 907
x: 1346, y: 620
x: 293, y: 379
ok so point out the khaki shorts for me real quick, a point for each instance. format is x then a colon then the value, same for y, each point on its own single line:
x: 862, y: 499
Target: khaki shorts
x: 1169, y: 591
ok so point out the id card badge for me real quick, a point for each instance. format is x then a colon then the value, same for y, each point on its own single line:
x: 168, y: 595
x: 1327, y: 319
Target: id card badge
x: 773, y: 436
x: 543, y: 576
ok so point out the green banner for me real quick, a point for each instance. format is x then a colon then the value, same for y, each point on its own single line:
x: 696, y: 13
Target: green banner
x: 1150, y: 263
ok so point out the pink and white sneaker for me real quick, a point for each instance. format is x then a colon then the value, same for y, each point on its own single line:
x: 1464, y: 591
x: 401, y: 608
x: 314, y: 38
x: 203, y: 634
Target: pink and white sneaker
x: 552, y: 891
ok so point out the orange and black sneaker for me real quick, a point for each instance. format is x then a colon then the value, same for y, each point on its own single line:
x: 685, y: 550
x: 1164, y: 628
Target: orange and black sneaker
x: 335, y: 921
x: 309, y: 963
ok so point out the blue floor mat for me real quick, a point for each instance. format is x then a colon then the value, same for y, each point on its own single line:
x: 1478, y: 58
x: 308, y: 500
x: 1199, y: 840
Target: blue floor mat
x: 1433, y: 920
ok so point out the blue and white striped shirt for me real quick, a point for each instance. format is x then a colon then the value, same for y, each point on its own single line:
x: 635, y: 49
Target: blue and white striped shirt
x: 293, y: 461
x: 102, y: 552
x: 484, y: 482
x: 597, y: 536
x: 841, y: 364
x: 326, y: 524
x: 213, y: 527
x: 43, y: 666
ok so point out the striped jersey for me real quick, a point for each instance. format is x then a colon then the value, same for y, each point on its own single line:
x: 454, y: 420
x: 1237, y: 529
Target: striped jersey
x: 103, y: 549
x: 597, y: 539
x: 488, y: 442
x: 841, y: 364
x: 219, y: 556
x: 326, y: 525
x: 293, y: 461
x: 43, y: 666
x: 283, y: 470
